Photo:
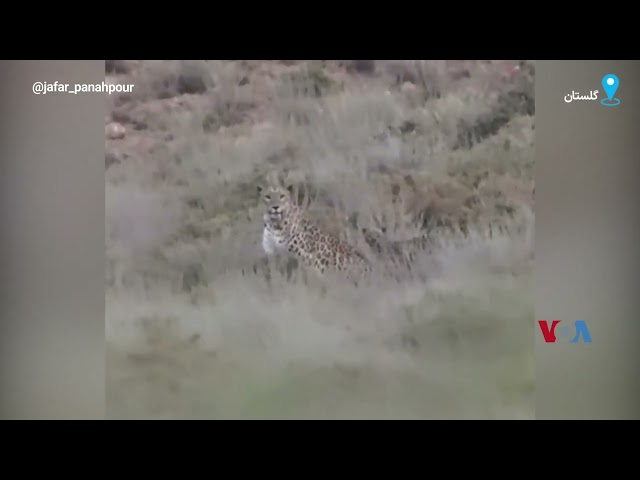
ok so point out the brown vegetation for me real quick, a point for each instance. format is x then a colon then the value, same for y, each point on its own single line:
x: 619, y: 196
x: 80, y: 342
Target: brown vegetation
x: 382, y: 151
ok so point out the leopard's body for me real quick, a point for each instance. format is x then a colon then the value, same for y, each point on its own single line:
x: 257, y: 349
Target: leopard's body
x: 288, y: 230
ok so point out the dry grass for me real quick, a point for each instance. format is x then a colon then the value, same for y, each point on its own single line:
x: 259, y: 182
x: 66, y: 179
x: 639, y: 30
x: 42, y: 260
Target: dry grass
x: 200, y: 326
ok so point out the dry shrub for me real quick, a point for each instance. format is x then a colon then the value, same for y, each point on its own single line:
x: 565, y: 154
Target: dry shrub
x: 201, y: 325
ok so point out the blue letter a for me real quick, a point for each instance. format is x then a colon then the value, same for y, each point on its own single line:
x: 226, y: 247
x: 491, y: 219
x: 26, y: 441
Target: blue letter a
x: 581, y: 328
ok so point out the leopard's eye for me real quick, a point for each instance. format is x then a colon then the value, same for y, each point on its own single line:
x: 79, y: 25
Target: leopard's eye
x: 268, y: 197
x: 281, y: 197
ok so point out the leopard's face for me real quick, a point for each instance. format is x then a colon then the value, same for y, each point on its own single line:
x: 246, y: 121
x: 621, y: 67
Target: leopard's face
x: 276, y: 201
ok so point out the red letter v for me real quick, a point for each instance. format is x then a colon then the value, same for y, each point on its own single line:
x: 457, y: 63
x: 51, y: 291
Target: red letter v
x: 547, y: 332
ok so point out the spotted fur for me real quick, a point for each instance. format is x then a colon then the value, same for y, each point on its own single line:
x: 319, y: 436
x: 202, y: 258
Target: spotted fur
x: 287, y: 230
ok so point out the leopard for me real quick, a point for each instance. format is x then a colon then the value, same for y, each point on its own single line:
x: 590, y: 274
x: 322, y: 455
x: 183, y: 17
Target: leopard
x: 288, y: 230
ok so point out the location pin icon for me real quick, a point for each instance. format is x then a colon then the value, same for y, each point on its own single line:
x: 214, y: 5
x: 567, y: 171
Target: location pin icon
x: 610, y: 83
